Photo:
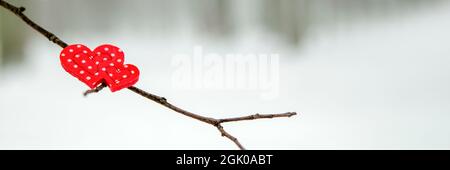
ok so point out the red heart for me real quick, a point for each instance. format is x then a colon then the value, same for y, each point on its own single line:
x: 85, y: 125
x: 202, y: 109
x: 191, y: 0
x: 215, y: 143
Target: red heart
x: 78, y: 60
x: 119, y: 76
x: 104, y: 64
x: 116, y: 74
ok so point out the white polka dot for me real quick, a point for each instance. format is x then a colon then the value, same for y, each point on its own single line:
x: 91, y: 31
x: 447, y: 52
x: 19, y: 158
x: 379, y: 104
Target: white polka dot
x: 103, y: 69
x: 88, y: 78
x: 97, y: 62
x: 84, y: 51
x: 126, y: 66
x: 70, y: 50
x: 77, y: 56
x: 63, y: 54
x: 89, y: 67
x: 104, y: 59
x: 132, y: 72
x: 96, y: 74
x: 111, y: 64
x: 112, y: 54
x: 110, y: 75
x: 81, y: 72
x: 106, y: 48
x: 83, y: 61
x: 120, y: 50
x: 69, y: 60
x: 119, y: 60
x: 98, y: 53
x: 75, y: 66
x: 117, y: 81
x: 124, y: 76
x: 78, y: 46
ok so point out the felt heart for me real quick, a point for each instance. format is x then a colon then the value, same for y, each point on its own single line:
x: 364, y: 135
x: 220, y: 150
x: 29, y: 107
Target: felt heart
x: 78, y: 60
x: 104, y: 64
x: 116, y: 74
x: 119, y: 76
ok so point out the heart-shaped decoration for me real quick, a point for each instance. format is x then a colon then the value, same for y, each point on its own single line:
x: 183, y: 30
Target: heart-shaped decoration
x: 104, y: 64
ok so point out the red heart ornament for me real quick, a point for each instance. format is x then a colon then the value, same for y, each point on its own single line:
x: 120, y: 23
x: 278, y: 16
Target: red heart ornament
x: 104, y: 64
x: 78, y: 60
x: 119, y: 76
x: 116, y: 74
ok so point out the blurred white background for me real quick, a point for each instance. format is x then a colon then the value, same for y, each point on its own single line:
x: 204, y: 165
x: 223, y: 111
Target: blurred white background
x: 363, y: 74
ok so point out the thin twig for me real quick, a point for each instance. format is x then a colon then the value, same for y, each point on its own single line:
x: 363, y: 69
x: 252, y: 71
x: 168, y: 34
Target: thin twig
x: 19, y: 12
x: 94, y: 90
x: 158, y: 99
x: 163, y: 101
x: 257, y: 116
x: 232, y: 138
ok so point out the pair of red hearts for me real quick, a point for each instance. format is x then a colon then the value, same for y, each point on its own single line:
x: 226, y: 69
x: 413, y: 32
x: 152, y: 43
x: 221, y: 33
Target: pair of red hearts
x: 104, y: 64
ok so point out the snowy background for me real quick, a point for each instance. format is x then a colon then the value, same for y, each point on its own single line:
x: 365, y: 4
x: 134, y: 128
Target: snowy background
x: 363, y: 74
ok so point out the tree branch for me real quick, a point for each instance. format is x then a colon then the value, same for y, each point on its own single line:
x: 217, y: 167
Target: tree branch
x: 158, y: 99
x: 212, y: 121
